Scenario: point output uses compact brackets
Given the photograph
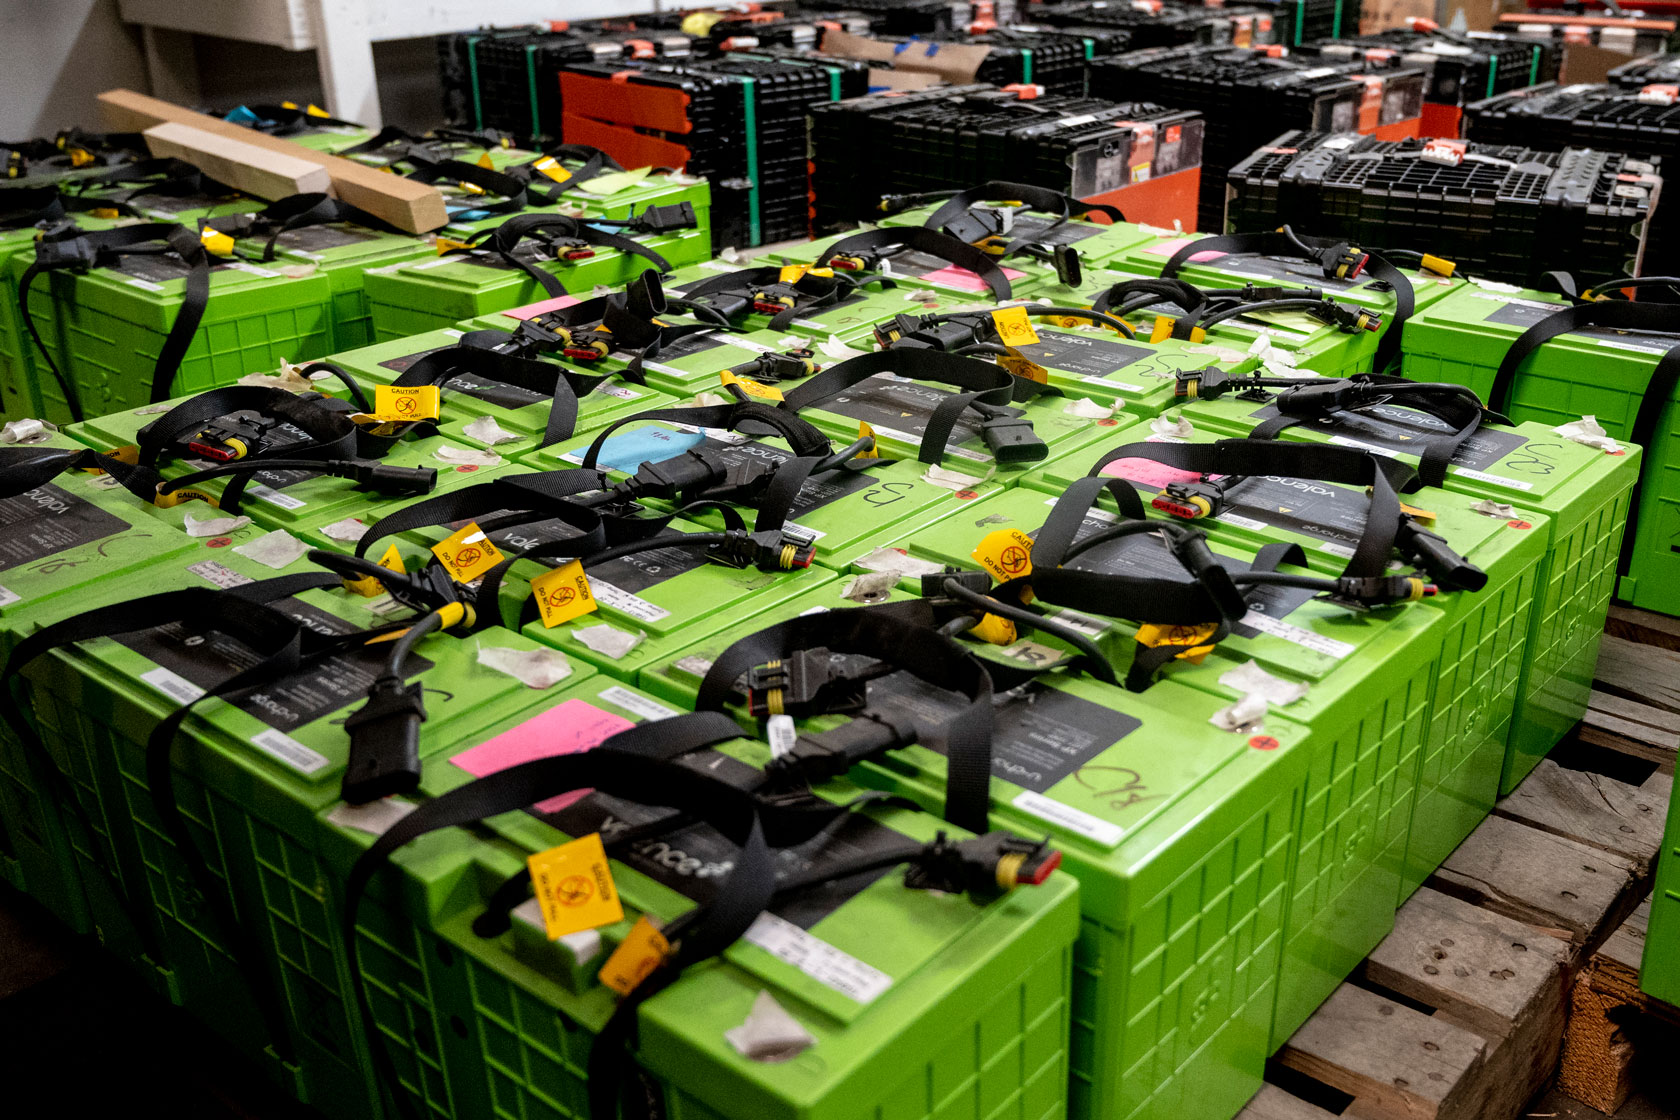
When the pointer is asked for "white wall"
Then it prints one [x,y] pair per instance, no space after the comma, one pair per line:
[55,57]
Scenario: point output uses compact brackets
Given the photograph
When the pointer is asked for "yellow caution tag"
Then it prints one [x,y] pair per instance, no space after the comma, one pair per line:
[700,24]
[1424,515]
[288,104]
[1162,330]
[994,629]
[752,388]
[644,950]
[1006,553]
[563,594]
[486,162]
[316,111]
[1013,326]
[470,188]
[369,586]
[400,403]
[80,157]
[550,167]
[1189,637]
[1024,367]
[217,242]
[574,887]
[105,212]
[791,273]
[449,244]
[874,451]
[467,553]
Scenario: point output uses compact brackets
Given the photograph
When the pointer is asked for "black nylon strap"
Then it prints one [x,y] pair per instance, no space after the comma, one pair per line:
[562,386]
[505,238]
[1042,199]
[1316,461]
[545,493]
[1280,244]
[934,242]
[800,435]
[917,649]
[987,384]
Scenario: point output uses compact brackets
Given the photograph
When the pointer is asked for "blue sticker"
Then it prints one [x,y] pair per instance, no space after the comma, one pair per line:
[652,444]
[242,115]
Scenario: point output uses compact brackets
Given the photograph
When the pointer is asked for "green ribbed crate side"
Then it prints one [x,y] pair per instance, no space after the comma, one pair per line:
[40,859]
[1179,1030]
[1659,972]
[1579,578]
[1482,658]
[1357,805]
[111,360]
[18,397]
[994,1047]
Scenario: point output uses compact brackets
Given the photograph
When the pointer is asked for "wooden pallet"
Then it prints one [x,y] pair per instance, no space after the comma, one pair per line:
[1460,1013]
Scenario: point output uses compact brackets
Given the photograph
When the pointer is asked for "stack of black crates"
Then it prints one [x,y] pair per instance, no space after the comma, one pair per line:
[1483,206]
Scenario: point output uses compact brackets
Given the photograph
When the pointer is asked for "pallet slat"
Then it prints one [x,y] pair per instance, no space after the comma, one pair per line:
[1592,809]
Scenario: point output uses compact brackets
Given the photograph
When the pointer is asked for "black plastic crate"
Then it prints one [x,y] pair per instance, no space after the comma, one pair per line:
[1661,69]
[1463,67]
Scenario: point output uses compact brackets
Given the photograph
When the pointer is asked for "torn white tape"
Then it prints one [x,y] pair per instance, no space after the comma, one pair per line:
[289,378]
[610,640]
[780,734]
[1169,425]
[374,818]
[898,562]
[1587,430]
[703,400]
[274,550]
[26,431]
[349,530]
[1490,508]
[534,668]
[486,431]
[1251,679]
[1246,715]
[837,350]
[769,1033]
[955,481]
[467,456]
[870,588]
[213,526]
[1088,409]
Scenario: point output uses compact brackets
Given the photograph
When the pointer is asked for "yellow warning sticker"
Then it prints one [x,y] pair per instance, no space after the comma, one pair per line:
[467,553]
[449,244]
[399,403]
[1024,367]
[216,241]
[995,629]
[369,586]
[642,951]
[574,887]
[874,450]
[1013,326]
[752,388]
[1006,553]
[550,167]
[563,594]
[1191,638]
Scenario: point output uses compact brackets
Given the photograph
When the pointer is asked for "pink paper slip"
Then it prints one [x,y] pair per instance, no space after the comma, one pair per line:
[1168,248]
[966,280]
[1147,472]
[564,729]
[532,310]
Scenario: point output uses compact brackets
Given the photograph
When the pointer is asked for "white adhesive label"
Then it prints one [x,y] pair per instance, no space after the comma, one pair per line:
[1290,632]
[818,959]
[1495,479]
[288,750]
[145,284]
[1120,385]
[1103,832]
[1345,441]
[274,497]
[625,603]
[618,391]
[620,697]
[8,597]
[781,736]
[1617,344]
[220,575]
[246,266]
[172,685]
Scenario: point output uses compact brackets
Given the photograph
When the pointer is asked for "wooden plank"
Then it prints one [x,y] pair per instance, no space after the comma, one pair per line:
[1395,1062]
[1648,674]
[1490,974]
[1645,627]
[1597,811]
[244,167]
[1272,1103]
[1547,881]
[408,205]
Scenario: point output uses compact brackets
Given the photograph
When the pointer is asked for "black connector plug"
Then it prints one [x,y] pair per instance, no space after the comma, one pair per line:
[1201,384]
[384,742]
[1381,591]
[982,866]
[664,219]
[1012,440]
[680,474]
[1431,552]
[383,478]
[770,550]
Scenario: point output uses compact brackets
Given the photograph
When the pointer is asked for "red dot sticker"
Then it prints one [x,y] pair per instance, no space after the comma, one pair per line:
[965,495]
[218,542]
[1519,524]
[1111,422]
[467,467]
[1264,743]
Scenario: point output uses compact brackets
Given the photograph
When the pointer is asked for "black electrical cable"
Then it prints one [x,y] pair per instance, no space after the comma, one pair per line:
[1100,667]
